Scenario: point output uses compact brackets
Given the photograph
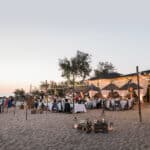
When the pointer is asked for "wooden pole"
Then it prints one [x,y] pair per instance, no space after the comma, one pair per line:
[148,91]
[148,94]
[73,91]
[26,113]
[138,87]
[46,95]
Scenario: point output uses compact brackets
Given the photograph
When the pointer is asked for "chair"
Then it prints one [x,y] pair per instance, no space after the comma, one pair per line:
[108,104]
[112,102]
[117,105]
[123,104]
[130,103]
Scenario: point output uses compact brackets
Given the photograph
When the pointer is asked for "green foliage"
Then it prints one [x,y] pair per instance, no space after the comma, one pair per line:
[83,64]
[19,94]
[77,67]
[60,92]
[36,93]
[65,66]
[104,68]
[51,91]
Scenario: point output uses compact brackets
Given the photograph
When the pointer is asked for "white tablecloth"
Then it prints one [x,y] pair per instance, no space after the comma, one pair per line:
[79,108]
[130,103]
[123,103]
[51,104]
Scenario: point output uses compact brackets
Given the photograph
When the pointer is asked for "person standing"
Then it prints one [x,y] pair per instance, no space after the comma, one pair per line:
[6,104]
[36,104]
[67,106]
[2,105]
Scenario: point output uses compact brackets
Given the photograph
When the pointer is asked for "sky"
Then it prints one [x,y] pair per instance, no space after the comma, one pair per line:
[35,34]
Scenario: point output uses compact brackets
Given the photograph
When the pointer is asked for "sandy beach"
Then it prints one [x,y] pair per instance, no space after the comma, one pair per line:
[55,131]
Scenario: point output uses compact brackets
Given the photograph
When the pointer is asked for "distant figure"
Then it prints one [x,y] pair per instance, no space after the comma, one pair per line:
[67,106]
[36,104]
[98,103]
[6,103]
[42,105]
[54,106]
[2,105]
[59,104]
[12,102]
[9,103]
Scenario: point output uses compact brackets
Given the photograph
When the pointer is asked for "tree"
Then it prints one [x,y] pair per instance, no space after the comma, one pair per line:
[83,64]
[36,93]
[66,68]
[104,68]
[51,92]
[75,68]
[19,94]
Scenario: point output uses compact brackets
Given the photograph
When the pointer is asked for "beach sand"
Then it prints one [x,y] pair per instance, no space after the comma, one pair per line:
[55,131]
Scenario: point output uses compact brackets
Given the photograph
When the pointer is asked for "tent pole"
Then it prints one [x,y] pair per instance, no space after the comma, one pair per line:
[139,102]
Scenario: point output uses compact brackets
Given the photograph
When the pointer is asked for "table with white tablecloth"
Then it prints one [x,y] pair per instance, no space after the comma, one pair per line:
[50,105]
[79,108]
[119,104]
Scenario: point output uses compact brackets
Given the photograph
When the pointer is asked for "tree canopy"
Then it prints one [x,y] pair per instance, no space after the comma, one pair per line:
[36,92]
[104,68]
[19,94]
[77,67]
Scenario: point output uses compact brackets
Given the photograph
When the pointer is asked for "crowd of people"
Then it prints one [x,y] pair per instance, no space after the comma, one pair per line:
[110,103]
[56,105]
[6,103]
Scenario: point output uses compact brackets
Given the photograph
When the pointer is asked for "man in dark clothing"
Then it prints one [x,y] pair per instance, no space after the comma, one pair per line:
[36,104]
[67,106]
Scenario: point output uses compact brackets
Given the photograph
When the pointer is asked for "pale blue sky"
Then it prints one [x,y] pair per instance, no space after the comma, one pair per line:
[34,34]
